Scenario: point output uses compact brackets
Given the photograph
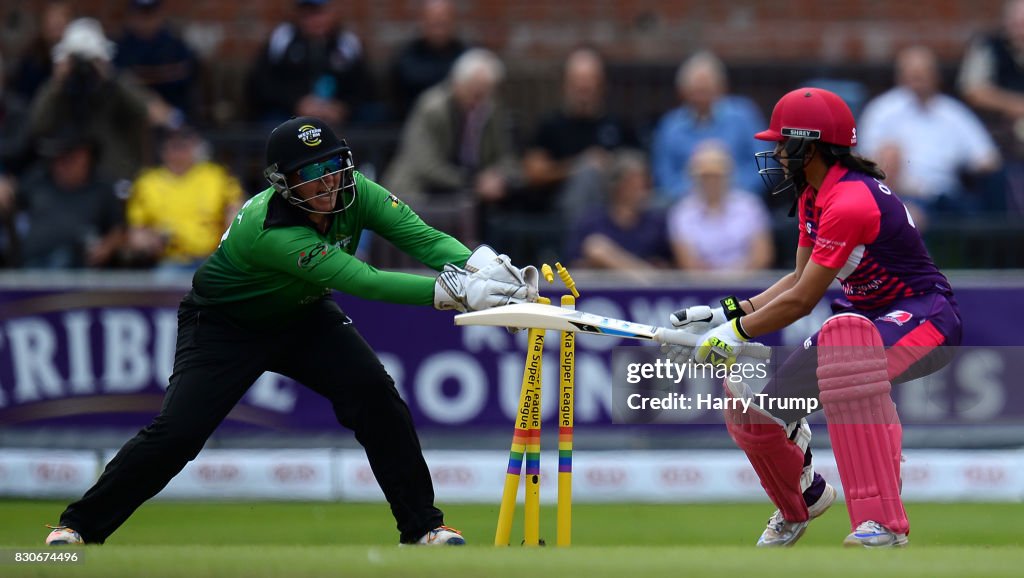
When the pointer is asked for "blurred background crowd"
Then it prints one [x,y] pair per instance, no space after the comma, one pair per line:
[604,134]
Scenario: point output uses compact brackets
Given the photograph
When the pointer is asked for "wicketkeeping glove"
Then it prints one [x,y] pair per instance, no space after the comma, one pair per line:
[488,263]
[457,288]
[721,345]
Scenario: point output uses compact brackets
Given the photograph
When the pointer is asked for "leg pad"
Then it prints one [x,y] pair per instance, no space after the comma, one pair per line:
[862,421]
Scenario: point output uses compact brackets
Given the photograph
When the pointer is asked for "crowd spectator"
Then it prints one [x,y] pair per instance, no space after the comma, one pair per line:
[706,111]
[312,66]
[12,127]
[426,59]
[36,63]
[86,94]
[566,163]
[70,216]
[717,226]
[177,211]
[458,137]
[13,113]
[156,56]
[925,140]
[626,234]
[992,80]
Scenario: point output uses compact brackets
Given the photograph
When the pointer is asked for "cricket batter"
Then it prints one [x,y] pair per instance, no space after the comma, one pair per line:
[897,312]
[262,302]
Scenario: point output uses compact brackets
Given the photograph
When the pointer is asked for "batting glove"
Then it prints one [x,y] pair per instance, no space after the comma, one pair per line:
[722,344]
[698,320]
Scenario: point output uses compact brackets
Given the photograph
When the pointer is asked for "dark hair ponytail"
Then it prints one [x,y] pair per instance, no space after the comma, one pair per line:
[833,154]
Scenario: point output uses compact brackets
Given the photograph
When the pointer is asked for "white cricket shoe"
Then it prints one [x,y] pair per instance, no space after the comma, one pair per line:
[782,534]
[871,534]
[63,536]
[442,536]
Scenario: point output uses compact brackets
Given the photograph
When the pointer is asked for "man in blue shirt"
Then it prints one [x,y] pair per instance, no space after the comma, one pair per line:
[707,112]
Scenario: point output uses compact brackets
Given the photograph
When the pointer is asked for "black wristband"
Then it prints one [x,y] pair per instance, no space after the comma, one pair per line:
[752,308]
[731,308]
[740,330]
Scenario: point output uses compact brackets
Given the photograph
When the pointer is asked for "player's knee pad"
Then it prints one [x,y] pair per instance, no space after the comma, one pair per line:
[851,363]
[854,383]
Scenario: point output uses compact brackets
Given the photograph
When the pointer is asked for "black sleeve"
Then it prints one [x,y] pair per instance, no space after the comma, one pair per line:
[545,137]
[111,210]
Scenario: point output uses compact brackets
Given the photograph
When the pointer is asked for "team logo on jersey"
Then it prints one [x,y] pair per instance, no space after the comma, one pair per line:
[309,135]
[898,317]
[311,257]
[394,200]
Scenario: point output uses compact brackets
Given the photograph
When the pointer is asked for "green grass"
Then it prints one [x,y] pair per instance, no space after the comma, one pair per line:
[620,540]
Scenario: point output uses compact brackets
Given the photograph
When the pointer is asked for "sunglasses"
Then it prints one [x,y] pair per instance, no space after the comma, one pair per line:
[323,168]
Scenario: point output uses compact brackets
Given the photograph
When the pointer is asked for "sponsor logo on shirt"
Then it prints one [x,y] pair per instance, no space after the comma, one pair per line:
[898,317]
[311,257]
[828,244]
[394,200]
[862,288]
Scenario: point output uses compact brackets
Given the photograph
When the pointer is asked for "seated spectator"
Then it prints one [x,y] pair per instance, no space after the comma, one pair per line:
[35,66]
[84,93]
[426,60]
[716,226]
[458,137]
[626,234]
[12,127]
[706,111]
[566,164]
[178,211]
[992,81]
[72,216]
[157,57]
[310,67]
[924,140]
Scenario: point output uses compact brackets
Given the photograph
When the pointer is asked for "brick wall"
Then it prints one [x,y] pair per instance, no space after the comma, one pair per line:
[540,31]
[769,44]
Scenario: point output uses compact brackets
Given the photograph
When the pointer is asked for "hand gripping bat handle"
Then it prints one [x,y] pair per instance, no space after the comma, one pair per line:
[687,339]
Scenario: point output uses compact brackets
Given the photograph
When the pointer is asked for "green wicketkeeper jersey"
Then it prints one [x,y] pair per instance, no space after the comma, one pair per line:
[271,261]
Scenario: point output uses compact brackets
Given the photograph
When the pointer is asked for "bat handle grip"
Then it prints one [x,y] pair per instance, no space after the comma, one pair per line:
[677,337]
[756,350]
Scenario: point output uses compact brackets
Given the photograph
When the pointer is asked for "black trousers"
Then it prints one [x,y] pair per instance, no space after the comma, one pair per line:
[215,363]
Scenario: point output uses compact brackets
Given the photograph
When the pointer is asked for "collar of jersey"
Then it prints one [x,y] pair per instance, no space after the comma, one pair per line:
[281,213]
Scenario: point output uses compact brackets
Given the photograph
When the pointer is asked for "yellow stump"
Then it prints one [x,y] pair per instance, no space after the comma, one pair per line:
[566,403]
[523,439]
[531,509]
[570,284]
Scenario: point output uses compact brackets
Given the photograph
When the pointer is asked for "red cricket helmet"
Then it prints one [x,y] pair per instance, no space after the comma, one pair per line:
[812,114]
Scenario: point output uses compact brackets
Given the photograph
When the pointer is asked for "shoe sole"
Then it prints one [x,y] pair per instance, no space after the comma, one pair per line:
[852,542]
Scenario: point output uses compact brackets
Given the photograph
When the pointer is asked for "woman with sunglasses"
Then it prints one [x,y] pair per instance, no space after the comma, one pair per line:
[261,302]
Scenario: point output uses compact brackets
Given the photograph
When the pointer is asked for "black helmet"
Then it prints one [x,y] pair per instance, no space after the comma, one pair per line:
[302,141]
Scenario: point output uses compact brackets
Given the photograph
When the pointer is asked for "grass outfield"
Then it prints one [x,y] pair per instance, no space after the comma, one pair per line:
[628,540]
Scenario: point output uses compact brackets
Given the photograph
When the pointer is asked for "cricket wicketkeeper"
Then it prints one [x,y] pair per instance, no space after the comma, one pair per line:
[262,302]
[897,312]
